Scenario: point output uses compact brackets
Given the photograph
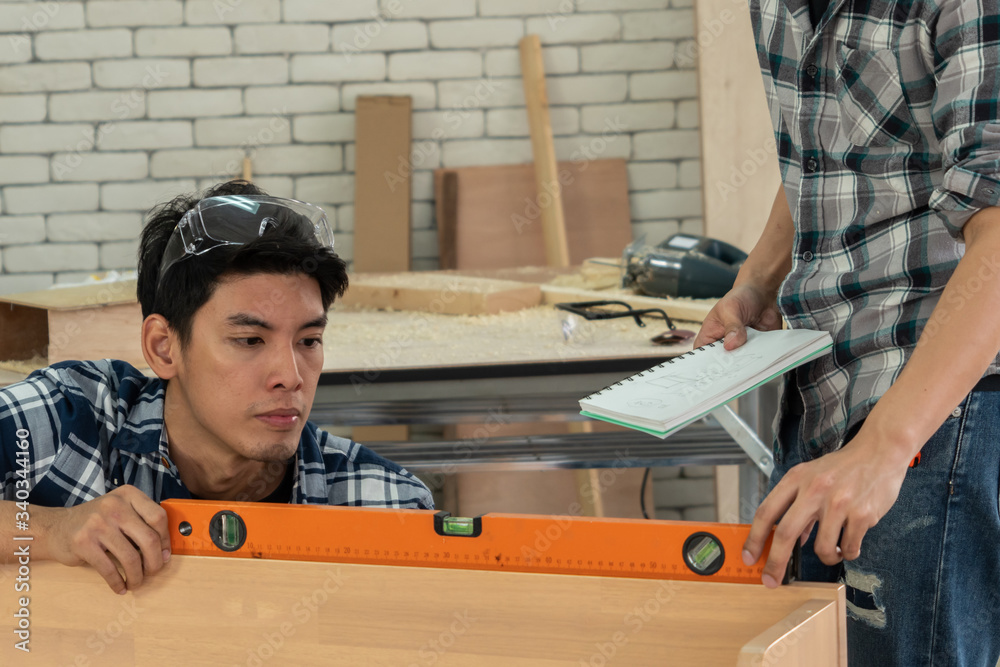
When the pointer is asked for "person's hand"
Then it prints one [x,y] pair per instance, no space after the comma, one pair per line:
[123,526]
[846,492]
[743,306]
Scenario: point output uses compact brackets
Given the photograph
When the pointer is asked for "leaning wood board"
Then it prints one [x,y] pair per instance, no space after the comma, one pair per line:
[86,322]
[440,293]
[214,611]
[495,221]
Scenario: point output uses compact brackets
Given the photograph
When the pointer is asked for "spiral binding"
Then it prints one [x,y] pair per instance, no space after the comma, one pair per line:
[632,378]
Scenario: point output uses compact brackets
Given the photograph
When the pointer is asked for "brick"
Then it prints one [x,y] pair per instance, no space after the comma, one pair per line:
[97,105]
[45,138]
[281,38]
[422,185]
[50,198]
[620,5]
[22,108]
[686,55]
[475,33]
[105,14]
[514,122]
[703,513]
[315,11]
[425,154]
[345,218]
[690,174]
[672,85]
[324,128]
[488,92]
[681,3]
[147,134]
[694,226]
[102,226]
[447,124]
[486,151]
[599,147]
[422,216]
[23,169]
[52,257]
[681,492]
[338,67]
[687,114]
[27,17]
[424,94]
[20,229]
[698,472]
[349,157]
[227,12]
[520,7]
[242,71]
[143,73]
[335,189]
[556,59]
[435,65]
[219,163]
[667,144]
[291,99]
[591,89]
[41,77]
[24,282]
[99,166]
[429,9]
[249,131]
[669,472]
[298,159]
[195,103]
[667,24]
[634,116]
[423,243]
[665,204]
[142,195]
[279,186]
[183,42]
[627,57]
[84,44]
[575,28]
[374,36]
[655,231]
[15,49]
[652,175]
[119,255]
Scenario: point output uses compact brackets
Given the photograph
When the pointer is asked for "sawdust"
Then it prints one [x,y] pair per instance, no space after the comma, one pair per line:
[24,366]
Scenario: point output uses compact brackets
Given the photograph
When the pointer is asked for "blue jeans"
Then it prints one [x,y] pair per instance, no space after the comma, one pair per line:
[925,590]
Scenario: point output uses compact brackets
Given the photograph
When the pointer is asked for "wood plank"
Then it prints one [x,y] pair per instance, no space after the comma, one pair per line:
[382,183]
[438,293]
[807,636]
[497,218]
[211,611]
[739,162]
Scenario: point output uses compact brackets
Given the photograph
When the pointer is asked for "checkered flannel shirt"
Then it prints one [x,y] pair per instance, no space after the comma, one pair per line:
[886,120]
[96,425]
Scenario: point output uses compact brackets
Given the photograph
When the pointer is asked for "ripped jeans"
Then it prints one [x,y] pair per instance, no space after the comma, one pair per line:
[925,591]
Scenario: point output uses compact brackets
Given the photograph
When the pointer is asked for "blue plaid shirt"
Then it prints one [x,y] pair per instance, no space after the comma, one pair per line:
[96,425]
[886,120]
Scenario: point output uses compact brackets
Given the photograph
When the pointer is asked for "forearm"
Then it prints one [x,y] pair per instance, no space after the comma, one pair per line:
[771,258]
[37,520]
[959,342]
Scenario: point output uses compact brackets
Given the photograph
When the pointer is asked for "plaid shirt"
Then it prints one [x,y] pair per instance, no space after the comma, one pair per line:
[888,142]
[96,425]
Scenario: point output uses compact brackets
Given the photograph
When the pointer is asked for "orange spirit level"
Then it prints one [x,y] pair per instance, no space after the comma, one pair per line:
[421,538]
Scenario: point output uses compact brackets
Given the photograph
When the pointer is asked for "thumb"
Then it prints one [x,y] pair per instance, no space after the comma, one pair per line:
[736,335]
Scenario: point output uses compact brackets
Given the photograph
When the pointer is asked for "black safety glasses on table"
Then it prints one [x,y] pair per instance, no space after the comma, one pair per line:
[610,310]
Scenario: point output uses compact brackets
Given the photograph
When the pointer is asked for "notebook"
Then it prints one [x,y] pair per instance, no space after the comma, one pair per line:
[679,391]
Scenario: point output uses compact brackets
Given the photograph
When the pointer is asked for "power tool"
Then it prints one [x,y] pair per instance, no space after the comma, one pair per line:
[685,265]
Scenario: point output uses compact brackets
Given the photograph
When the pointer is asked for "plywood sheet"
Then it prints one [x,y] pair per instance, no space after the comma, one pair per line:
[440,293]
[497,219]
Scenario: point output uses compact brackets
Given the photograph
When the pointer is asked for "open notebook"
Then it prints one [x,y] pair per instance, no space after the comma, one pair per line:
[677,392]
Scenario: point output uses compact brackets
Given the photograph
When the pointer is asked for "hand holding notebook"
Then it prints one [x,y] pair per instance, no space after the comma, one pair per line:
[679,391]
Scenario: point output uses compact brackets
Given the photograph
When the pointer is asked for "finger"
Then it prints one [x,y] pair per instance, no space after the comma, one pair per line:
[806,533]
[786,534]
[736,335]
[712,329]
[128,556]
[156,518]
[827,544]
[95,556]
[850,543]
[147,541]
[767,515]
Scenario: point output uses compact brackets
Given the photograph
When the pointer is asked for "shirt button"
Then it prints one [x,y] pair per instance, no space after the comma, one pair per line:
[807,256]
[957,412]
[811,165]
[812,70]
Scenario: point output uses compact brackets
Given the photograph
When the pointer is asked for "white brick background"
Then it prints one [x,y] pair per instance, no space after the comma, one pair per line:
[110,106]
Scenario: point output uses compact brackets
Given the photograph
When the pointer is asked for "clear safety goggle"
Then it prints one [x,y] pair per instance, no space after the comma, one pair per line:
[238,219]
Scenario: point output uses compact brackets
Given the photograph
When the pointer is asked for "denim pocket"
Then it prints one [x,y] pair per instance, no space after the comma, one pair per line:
[873,109]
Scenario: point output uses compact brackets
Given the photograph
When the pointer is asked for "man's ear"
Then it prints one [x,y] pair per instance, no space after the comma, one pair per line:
[160,346]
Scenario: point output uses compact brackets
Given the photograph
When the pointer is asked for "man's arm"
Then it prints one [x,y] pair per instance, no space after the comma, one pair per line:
[122,527]
[753,299]
[852,488]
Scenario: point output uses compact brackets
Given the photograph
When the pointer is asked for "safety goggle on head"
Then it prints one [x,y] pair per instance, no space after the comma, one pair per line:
[237,220]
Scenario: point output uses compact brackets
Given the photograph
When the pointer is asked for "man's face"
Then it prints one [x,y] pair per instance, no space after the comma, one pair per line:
[248,375]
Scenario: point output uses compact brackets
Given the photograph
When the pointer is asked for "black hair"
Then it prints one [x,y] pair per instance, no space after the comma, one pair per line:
[190,283]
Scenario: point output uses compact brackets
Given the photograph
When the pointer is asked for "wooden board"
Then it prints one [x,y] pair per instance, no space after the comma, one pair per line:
[382,184]
[215,611]
[739,162]
[440,293]
[497,220]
